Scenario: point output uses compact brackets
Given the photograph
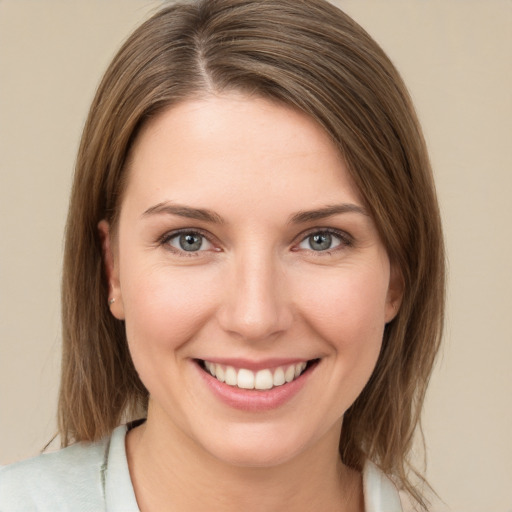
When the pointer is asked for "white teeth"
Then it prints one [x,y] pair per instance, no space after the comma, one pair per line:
[230,376]
[219,373]
[245,379]
[279,377]
[264,380]
[299,368]
[210,367]
[289,374]
[261,380]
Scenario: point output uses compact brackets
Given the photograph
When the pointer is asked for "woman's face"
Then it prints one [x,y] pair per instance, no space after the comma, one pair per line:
[244,248]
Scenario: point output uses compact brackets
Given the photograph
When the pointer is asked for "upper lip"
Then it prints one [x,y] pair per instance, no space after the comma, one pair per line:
[253,365]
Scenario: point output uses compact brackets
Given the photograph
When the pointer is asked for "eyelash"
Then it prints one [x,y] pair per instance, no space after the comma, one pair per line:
[344,238]
[345,241]
[165,239]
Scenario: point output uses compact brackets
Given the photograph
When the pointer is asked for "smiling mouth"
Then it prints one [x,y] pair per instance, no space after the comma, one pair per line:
[260,380]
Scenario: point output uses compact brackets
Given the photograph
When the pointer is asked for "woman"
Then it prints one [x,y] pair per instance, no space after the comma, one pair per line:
[253,264]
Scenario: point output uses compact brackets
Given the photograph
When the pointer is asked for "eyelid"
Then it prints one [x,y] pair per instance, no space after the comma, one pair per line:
[346,239]
[169,235]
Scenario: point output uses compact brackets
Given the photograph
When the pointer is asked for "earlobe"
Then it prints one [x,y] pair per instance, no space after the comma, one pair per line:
[395,293]
[111,269]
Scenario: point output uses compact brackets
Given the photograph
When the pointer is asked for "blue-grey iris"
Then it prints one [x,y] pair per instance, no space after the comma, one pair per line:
[191,242]
[320,241]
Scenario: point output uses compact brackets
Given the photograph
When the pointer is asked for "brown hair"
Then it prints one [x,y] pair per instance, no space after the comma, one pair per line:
[311,56]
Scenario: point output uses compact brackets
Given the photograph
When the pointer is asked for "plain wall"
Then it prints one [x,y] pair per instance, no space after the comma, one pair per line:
[455,56]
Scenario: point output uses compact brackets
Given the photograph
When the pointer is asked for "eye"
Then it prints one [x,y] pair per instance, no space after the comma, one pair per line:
[189,241]
[322,241]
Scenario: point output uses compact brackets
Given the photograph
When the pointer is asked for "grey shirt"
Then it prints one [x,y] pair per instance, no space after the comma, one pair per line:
[94,477]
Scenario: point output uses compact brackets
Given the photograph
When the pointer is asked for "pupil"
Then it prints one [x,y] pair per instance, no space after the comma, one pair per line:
[190,242]
[320,242]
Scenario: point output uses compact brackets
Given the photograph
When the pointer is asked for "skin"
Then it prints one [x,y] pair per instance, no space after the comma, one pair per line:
[255,290]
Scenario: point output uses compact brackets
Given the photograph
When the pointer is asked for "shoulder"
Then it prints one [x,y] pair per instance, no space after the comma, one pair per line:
[71,477]
[380,494]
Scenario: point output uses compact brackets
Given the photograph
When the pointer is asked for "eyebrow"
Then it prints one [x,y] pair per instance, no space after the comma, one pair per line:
[205,215]
[184,211]
[327,211]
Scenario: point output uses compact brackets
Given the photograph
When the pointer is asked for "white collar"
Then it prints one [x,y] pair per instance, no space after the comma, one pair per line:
[380,494]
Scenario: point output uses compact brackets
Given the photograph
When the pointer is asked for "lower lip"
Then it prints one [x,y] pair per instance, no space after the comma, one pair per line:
[252,399]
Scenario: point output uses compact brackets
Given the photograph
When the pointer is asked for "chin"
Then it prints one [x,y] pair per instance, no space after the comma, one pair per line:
[256,456]
[257,447]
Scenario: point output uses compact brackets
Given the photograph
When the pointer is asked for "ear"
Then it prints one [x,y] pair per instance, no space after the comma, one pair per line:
[111,269]
[395,293]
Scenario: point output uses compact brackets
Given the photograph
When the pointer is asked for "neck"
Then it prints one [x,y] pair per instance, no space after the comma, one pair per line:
[170,472]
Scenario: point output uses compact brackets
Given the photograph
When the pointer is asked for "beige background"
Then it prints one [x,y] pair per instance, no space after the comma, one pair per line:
[455,55]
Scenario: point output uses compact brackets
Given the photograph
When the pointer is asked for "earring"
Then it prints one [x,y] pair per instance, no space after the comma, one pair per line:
[111,301]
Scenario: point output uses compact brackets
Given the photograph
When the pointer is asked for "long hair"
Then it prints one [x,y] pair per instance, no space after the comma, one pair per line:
[311,56]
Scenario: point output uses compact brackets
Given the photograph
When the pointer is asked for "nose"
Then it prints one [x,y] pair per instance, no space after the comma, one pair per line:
[256,307]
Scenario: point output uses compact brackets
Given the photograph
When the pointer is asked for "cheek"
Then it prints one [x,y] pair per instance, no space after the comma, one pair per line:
[164,307]
[346,310]
[347,306]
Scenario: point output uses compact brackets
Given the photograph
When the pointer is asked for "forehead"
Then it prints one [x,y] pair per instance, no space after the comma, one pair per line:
[237,147]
